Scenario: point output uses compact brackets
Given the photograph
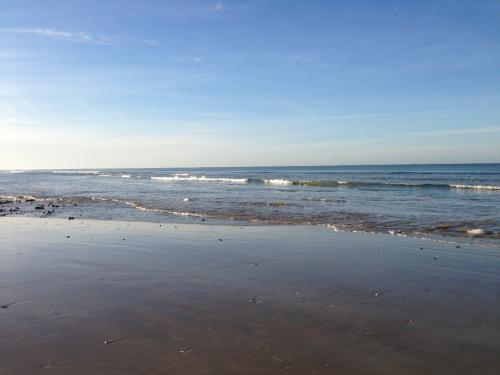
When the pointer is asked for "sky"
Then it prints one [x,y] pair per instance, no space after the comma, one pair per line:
[159,83]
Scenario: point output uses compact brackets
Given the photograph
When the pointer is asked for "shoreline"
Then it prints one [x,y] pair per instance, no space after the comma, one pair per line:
[118,297]
[37,207]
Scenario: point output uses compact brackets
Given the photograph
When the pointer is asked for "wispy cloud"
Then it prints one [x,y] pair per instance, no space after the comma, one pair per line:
[188,60]
[69,36]
[148,42]
[77,36]
[218,6]
[303,60]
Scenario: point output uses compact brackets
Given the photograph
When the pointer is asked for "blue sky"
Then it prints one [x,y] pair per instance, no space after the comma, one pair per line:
[251,82]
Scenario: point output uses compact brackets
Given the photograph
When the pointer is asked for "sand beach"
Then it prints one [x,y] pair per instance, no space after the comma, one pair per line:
[106,297]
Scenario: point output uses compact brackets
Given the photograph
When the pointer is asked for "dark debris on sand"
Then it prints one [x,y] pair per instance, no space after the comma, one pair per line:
[32,207]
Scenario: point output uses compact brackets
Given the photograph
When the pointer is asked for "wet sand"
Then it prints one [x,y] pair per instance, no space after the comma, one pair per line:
[104,297]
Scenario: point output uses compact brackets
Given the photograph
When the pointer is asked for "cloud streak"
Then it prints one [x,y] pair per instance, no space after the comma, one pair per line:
[75,36]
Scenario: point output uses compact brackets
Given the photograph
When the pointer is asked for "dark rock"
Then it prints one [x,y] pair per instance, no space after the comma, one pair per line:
[71,218]
[40,207]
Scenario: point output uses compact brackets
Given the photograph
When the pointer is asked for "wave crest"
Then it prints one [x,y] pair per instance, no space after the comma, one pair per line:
[183,177]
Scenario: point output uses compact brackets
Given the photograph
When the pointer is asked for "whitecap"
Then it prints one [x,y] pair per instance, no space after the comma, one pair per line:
[278,182]
[476,187]
[60,171]
[200,179]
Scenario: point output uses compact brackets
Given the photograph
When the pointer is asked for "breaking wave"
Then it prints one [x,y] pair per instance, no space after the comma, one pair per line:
[77,172]
[184,177]
[321,183]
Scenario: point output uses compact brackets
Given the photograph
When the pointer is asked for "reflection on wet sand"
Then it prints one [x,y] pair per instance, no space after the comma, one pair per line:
[92,297]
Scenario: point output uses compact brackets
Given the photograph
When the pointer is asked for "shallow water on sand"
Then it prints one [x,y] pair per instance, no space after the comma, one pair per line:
[100,297]
[450,200]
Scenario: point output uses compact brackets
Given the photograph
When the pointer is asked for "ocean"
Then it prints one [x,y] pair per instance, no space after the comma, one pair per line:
[421,200]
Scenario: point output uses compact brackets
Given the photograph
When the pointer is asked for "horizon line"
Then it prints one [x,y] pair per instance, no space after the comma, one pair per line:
[258,166]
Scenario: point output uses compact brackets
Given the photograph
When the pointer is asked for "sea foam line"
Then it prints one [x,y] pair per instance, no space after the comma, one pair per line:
[476,187]
[182,177]
[83,172]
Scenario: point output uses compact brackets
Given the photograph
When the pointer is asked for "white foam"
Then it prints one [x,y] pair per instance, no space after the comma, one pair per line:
[334,227]
[75,172]
[476,187]
[16,171]
[125,176]
[159,210]
[179,177]
[477,232]
[278,182]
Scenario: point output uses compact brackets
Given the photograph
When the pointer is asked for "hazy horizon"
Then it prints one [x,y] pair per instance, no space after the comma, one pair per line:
[248,83]
[124,168]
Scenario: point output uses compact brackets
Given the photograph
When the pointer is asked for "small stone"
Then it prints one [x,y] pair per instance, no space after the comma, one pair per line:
[185,351]
[71,218]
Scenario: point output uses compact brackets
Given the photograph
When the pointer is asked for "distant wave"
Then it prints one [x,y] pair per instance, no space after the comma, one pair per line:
[184,177]
[476,187]
[277,182]
[78,172]
[323,183]
[346,184]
